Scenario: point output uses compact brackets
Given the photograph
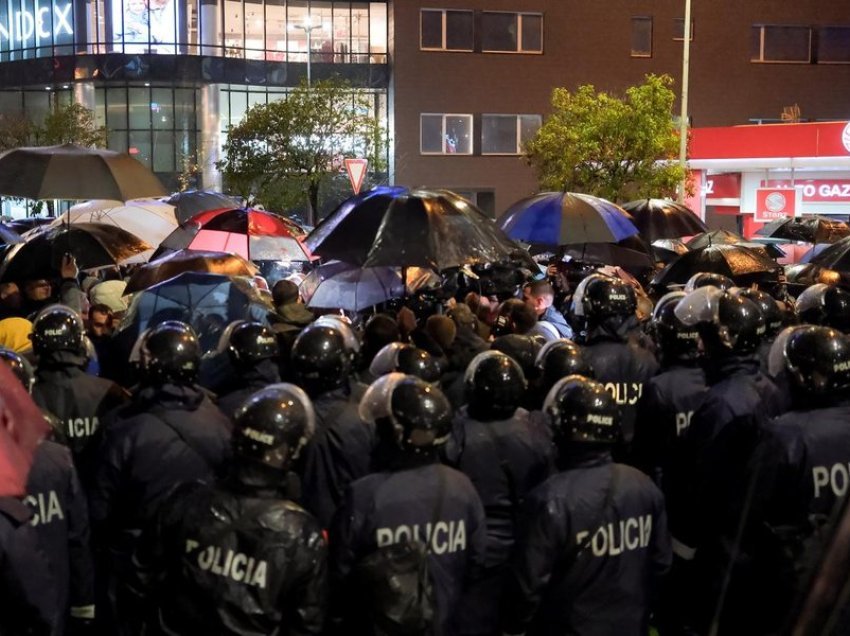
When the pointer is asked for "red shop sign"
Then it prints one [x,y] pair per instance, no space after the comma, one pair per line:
[723,186]
[776,203]
[817,190]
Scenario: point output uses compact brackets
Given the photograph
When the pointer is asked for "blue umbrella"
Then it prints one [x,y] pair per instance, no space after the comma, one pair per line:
[814,251]
[561,218]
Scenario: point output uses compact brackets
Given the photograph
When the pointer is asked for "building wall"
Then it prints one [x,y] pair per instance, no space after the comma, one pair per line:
[588,41]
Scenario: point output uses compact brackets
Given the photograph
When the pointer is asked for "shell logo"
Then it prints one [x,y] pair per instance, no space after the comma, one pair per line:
[845,137]
[775,202]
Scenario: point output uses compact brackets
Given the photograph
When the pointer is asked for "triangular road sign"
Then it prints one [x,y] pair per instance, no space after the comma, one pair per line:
[356,169]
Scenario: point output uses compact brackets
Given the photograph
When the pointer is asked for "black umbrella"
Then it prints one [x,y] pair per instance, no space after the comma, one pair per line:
[661,219]
[667,250]
[609,254]
[771,250]
[397,227]
[741,264]
[91,244]
[836,256]
[715,237]
[811,229]
[188,204]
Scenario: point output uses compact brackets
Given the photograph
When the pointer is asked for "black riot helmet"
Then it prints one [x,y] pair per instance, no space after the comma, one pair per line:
[495,386]
[270,430]
[320,359]
[676,341]
[815,359]
[598,297]
[726,323]
[20,366]
[169,353]
[825,305]
[523,349]
[560,358]
[57,328]
[405,358]
[248,343]
[581,411]
[708,279]
[773,315]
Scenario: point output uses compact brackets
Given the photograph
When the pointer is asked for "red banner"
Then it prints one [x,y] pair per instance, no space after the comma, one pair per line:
[723,186]
[775,203]
[817,190]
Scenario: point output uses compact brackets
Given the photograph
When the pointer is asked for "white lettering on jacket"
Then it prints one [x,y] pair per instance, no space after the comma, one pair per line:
[614,538]
[229,564]
[835,477]
[45,506]
[445,537]
[625,392]
[81,426]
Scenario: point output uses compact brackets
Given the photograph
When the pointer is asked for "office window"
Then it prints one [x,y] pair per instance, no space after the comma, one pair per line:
[642,36]
[834,45]
[446,30]
[507,134]
[445,134]
[679,29]
[788,44]
[503,32]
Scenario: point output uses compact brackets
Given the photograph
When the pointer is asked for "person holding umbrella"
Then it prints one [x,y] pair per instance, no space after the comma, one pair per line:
[38,293]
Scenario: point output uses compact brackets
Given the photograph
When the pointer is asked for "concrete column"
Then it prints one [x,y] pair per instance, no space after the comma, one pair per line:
[84,94]
[209,145]
[209,19]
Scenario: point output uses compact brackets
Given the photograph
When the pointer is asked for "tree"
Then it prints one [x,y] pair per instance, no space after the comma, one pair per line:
[284,150]
[612,147]
[70,124]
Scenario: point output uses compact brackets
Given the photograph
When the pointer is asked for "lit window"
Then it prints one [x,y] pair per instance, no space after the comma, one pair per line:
[834,45]
[445,134]
[679,29]
[446,30]
[507,134]
[642,36]
[511,32]
[788,44]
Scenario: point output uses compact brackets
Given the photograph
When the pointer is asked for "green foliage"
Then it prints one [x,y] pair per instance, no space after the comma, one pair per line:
[15,131]
[70,124]
[282,152]
[600,144]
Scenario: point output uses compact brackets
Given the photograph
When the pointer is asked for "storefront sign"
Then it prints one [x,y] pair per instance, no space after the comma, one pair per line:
[35,24]
[776,203]
[845,137]
[723,186]
[816,190]
[145,26]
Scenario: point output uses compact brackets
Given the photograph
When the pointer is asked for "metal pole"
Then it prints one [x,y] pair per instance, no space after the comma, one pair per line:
[683,123]
[309,30]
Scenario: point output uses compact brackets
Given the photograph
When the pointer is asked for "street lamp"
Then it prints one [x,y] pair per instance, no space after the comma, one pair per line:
[308,27]
[683,122]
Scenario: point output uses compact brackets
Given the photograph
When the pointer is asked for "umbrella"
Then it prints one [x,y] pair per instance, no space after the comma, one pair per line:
[815,250]
[667,250]
[562,218]
[609,254]
[811,229]
[736,262]
[664,219]
[771,250]
[253,234]
[191,202]
[715,237]
[22,427]
[92,245]
[31,222]
[181,261]
[836,256]
[8,236]
[74,172]
[397,227]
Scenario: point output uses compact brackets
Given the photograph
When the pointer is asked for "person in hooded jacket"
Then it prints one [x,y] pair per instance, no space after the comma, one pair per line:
[593,539]
[254,353]
[238,556]
[170,433]
[505,455]
[412,497]
[78,400]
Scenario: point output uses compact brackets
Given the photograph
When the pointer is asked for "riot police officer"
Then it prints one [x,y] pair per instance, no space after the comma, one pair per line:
[63,388]
[773,320]
[708,279]
[238,556]
[342,447]
[825,305]
[558,359]
[414,498]
[253,352]
[593,535]
[405,358]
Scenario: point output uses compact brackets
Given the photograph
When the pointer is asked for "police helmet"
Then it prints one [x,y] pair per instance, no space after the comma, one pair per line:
[20,366]
[560,358]
[523,349]
[770,310]
[598,297]
[319,359]
[825,305]
[405,358]
[726,322]
[271,429]
[57,328]
[675,340]
[815,359]
[495,385]
[248,343]
[169,353]
[706,279]
[580,410]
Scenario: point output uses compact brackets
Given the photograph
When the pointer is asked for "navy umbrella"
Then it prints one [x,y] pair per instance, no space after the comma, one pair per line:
[663,219]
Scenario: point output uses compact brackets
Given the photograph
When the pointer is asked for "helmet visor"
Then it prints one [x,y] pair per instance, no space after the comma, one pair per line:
[700,306]
[386,360]
[375,403]
[776,356]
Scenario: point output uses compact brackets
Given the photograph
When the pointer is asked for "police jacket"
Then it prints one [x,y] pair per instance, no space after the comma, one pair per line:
[592,542]
[78,400]
[504,460]
[433,504]
[248,382]
[61,521]
[339,452]
[221,559]
[167,435]
[27,586]
[623,367]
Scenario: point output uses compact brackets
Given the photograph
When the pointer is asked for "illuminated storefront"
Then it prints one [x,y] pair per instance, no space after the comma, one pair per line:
[166,77]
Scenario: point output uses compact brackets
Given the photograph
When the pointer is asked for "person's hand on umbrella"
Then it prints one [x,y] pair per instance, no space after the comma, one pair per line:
[68,268]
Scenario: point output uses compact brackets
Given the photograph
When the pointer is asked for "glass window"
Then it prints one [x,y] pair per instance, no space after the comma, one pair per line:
[446,30]
[679,29]
[117,140]
[139,103]
[378,43]
[162,110]
[499,32]
[140,146]
[641,36]
[507,134]
[446,134]
[771,43]
[431,29]
[532,33]
[834,45]
[116,109]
